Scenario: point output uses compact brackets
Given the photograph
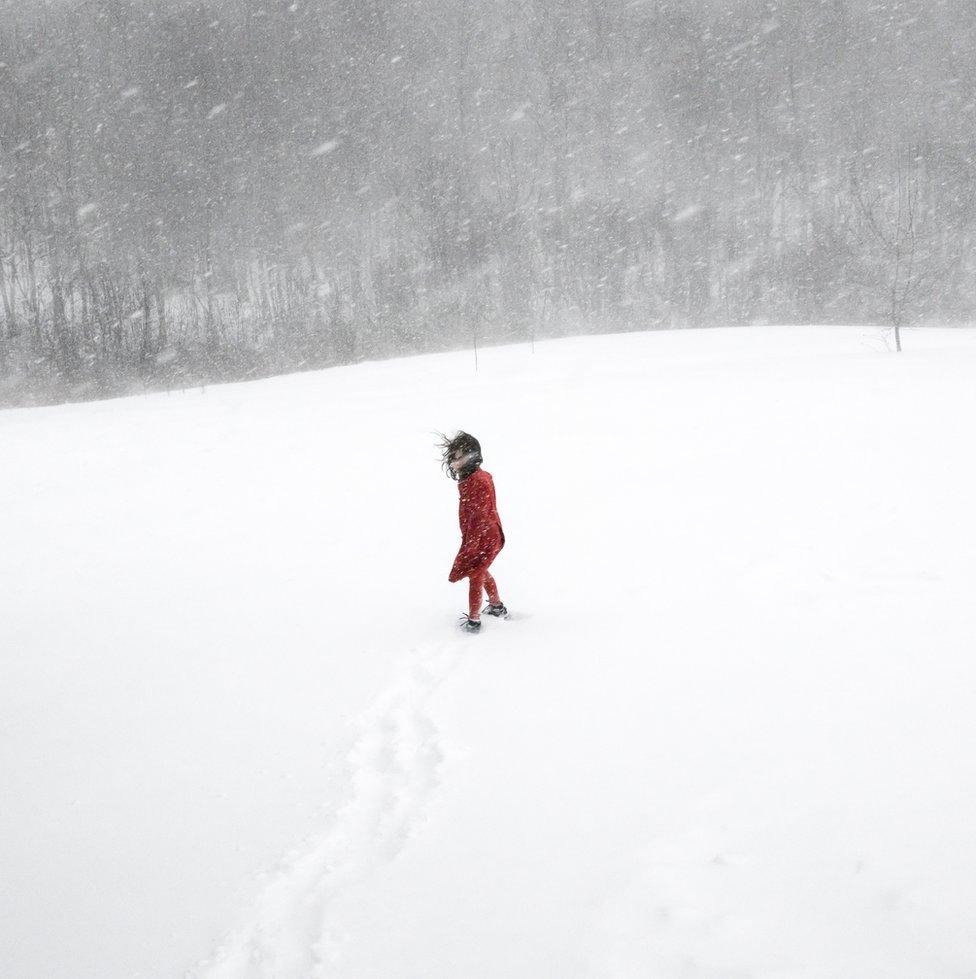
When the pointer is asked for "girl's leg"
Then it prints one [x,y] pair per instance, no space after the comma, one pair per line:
[476,582]
[492,590]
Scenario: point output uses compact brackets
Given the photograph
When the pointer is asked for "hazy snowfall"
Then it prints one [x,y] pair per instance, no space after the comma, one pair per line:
[700,277]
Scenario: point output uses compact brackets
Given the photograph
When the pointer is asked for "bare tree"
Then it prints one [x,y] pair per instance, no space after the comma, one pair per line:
[901,231]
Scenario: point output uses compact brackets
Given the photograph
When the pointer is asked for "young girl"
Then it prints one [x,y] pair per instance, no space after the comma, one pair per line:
[482,536]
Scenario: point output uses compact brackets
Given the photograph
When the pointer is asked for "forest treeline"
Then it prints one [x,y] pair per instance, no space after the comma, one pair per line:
[223,189]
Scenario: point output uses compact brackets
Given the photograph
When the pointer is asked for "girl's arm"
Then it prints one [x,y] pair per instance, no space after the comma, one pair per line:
[476,510]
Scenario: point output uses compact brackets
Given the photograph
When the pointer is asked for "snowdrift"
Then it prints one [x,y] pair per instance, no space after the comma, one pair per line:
[728,733]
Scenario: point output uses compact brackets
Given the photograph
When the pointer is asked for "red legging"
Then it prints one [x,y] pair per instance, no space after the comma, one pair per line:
[479,581]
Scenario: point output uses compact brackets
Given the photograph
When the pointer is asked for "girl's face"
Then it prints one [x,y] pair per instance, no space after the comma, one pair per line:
[459,460]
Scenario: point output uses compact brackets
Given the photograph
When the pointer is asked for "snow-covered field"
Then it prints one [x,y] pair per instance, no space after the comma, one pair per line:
[731,732]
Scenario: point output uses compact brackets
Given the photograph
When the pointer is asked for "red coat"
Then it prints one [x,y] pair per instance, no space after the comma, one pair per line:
[482,536]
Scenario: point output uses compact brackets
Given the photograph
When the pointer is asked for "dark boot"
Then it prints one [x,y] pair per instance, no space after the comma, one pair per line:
[468,624]
[499,611]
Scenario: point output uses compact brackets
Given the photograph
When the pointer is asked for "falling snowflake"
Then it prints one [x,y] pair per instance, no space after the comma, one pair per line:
[686,213]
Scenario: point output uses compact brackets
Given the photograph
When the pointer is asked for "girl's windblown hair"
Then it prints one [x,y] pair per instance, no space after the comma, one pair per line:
[464,451]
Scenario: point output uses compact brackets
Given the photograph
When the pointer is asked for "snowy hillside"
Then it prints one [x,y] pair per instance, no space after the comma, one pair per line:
[729,734]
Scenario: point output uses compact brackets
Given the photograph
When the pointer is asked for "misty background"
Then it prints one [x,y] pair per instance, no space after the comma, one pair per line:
[205,191]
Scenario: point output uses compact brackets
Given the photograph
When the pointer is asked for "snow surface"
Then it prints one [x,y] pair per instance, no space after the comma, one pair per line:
[730,733]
